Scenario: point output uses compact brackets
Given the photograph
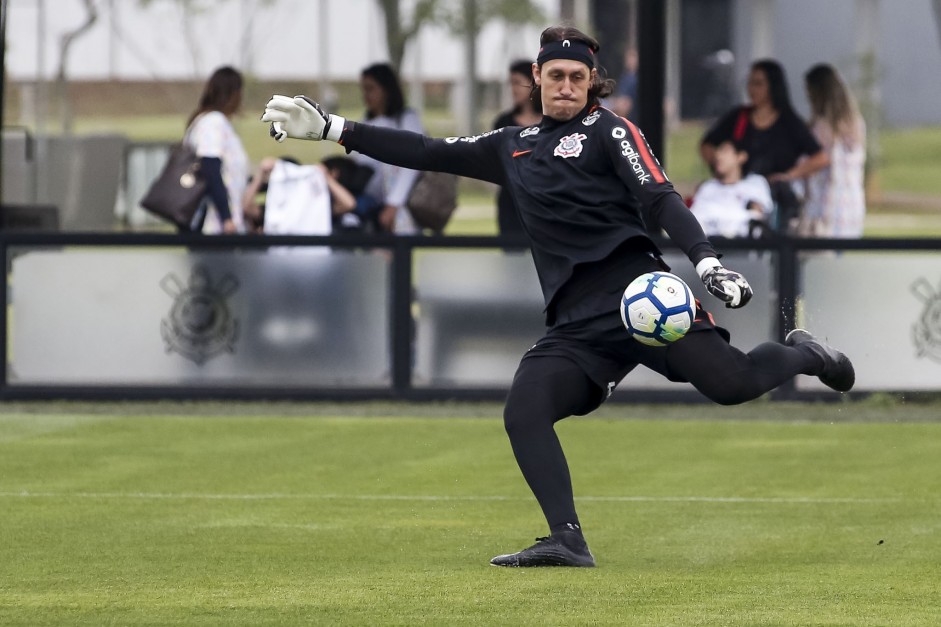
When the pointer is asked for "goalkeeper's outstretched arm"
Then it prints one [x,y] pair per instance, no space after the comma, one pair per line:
[302,118]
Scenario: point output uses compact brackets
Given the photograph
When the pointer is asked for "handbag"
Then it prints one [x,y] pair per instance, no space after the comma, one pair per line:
[433,199]
[178,191]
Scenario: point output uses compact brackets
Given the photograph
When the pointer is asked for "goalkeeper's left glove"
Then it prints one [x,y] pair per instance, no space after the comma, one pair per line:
[301,118]
[724,284]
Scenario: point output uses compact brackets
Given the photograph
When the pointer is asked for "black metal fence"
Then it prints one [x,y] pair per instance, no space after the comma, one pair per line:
[401,251]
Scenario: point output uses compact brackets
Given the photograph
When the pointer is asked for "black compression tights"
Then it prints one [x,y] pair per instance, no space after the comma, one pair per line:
[548,389]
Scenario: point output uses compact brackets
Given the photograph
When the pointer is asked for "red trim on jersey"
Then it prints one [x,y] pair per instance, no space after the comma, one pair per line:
[702,315]
[644,151]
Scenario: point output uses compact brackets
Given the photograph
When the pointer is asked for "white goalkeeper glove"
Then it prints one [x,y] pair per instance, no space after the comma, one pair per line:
[724,284]
[301,118]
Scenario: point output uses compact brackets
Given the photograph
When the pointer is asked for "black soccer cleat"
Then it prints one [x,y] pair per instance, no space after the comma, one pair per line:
[838,372]
[564,548]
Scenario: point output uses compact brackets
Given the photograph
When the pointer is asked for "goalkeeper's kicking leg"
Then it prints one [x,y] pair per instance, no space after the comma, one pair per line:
[728,376]
[548,388]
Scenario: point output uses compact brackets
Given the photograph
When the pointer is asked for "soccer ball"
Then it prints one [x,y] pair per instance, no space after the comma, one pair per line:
[657,308]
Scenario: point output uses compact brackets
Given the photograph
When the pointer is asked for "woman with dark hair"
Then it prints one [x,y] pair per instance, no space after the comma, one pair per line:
[583,181]
[779,144]
[836,202]
[390,186]
[526,111]
[223,162]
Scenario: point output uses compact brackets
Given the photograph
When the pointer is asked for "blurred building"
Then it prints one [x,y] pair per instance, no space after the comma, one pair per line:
[884,47]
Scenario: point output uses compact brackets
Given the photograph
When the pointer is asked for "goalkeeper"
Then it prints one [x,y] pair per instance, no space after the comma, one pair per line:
[582,181]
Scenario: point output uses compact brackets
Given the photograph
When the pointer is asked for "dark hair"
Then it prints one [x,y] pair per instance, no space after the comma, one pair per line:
[601,86]
[777,84]
[522,67]
[349,174]
[739,146]
[222,92]
[387,80]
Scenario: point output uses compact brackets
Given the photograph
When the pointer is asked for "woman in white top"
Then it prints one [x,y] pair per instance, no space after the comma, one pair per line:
[223,161]
[836,202]
[390,185]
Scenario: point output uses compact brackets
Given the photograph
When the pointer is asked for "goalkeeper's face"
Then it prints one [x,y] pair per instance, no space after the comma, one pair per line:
[564,84]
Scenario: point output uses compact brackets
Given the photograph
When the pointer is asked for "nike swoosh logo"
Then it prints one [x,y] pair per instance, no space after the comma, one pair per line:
[519,153]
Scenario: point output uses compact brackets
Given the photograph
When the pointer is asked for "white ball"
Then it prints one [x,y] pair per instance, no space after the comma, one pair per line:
[658,308]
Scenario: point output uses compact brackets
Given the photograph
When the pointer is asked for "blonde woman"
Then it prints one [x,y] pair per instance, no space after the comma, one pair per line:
[836,203]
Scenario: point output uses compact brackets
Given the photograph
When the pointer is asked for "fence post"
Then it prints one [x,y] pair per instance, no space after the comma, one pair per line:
[4,336]
[787,301]
[400,316]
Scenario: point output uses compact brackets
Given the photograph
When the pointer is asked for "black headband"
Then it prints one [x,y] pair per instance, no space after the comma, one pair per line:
[571,49]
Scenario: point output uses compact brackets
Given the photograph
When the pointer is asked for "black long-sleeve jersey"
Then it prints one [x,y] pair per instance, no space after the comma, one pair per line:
[581,187]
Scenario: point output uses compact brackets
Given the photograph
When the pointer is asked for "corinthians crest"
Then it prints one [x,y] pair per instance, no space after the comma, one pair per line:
[570,145]
[926,332]
[200,325]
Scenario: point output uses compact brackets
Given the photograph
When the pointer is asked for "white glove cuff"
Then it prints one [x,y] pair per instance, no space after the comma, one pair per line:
[707,264]
[336,128]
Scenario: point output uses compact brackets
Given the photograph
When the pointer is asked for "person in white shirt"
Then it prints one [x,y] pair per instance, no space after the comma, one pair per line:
[390,185]
[298,199]
[223,161]
[732,203]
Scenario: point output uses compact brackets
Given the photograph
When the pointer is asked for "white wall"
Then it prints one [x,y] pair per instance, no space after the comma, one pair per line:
[277,41]
[283,41]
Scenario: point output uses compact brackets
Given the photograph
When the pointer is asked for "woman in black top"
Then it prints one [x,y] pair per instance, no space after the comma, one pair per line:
[526,111]
[774,136]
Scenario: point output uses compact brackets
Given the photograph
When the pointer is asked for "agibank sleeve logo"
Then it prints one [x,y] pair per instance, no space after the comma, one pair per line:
[634,148]
[472,139]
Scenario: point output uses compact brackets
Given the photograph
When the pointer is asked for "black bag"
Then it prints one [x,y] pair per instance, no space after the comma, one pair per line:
[787,204]
[179,190]
[433,199]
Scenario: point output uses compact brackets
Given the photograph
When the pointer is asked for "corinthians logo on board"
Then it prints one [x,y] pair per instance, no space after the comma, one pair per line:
[200,325]
[927,330]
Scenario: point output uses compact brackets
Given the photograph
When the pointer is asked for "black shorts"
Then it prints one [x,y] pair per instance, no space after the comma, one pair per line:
[606,352]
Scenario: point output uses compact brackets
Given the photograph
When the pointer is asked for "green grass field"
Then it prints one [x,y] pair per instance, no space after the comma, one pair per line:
[377,514]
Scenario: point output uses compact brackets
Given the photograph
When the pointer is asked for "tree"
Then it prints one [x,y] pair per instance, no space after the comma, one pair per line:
[188,9]
[65,46]
[463,17]
[460,16]
[468,19]
[936,5]
[398,31]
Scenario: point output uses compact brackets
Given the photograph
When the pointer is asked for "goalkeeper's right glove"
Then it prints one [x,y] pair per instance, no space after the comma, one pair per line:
[301,118]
